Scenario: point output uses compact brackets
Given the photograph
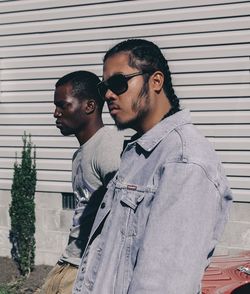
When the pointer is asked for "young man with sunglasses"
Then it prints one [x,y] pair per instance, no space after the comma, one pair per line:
[167,206]
[78,112]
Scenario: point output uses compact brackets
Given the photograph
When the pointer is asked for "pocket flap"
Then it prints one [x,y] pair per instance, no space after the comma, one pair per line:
[132,198]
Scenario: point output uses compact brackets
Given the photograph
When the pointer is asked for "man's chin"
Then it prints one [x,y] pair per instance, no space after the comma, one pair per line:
[65,132]
[130,124]
[124,125]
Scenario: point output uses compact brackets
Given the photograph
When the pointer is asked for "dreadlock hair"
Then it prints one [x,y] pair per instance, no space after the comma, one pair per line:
[147,57]
[84,86]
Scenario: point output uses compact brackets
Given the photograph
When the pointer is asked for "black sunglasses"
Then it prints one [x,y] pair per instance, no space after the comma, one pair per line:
[118,83]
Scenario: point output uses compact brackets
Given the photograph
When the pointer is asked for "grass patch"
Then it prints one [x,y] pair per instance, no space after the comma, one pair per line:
[12,287]
[6,289]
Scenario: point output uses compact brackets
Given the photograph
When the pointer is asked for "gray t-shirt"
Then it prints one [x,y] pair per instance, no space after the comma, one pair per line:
[94,164]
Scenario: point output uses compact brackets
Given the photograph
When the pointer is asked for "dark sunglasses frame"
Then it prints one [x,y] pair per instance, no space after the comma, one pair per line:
[118,83]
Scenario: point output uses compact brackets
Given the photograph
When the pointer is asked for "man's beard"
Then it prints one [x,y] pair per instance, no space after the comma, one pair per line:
[135,122]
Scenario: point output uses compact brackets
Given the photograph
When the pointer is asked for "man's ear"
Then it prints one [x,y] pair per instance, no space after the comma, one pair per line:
[157,81]
[90,106]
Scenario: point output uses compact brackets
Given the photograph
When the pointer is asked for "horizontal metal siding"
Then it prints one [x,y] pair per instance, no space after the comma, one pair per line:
[206,42]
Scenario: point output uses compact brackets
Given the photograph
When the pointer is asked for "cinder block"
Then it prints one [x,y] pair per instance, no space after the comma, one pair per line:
[48,200]
[240,212]
[64,241]
[236,235]
[5,252]
[220,250]
[40,219]
[4,217]
[234,251]
[49,242]
[66,217]
[47,258]
[5,198]
[4,240]
[52,220]
[48,220]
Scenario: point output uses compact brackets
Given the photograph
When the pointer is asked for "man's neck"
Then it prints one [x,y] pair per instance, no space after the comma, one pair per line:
[84,135]
[155,115]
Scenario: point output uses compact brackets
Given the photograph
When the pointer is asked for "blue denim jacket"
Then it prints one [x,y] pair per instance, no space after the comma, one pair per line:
[161,217]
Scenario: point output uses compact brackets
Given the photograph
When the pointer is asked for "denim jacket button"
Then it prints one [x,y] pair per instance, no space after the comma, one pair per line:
[90,285]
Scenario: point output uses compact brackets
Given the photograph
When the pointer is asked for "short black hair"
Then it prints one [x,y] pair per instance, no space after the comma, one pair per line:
[147,57]
[84,86]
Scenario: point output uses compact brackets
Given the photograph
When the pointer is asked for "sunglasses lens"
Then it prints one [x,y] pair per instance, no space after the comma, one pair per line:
[117,84]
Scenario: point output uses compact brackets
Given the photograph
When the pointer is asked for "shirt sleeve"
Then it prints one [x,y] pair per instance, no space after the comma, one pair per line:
[179,234]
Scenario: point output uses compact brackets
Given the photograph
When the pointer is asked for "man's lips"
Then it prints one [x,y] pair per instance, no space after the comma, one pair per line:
[59,125]
[113,108]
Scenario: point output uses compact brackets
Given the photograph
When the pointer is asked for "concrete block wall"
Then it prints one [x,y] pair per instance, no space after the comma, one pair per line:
[236,237]
[52,226]
[5,245]
[53,223]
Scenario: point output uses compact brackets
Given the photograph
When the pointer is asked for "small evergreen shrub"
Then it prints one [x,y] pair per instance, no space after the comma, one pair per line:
[22,209]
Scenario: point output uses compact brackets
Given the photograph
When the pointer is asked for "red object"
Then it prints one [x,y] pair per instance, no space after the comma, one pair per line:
[228,275]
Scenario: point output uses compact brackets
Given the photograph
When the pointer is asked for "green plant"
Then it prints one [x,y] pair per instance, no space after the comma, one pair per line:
[6,290]
[11,288]
[22,209]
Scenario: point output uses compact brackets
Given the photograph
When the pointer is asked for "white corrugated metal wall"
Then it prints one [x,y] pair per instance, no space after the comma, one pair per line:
[207,43]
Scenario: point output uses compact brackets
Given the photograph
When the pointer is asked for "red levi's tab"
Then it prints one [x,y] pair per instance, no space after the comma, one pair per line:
[132,187]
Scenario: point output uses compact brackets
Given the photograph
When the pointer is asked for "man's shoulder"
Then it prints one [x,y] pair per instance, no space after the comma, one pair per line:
[111,132]
[111,137]
[108,146]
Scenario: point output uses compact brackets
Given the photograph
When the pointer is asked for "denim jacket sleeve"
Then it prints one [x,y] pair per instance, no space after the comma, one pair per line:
[187,214]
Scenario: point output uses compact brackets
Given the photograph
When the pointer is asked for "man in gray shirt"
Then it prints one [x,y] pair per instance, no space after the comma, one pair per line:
[78,112]
[166,208]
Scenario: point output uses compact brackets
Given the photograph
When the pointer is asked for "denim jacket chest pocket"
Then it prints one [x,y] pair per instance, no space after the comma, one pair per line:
[134,208]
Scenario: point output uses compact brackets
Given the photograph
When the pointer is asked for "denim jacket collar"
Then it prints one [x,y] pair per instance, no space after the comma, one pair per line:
[154,136]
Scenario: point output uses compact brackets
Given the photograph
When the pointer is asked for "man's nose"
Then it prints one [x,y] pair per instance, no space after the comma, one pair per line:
[57,113]
[109,95]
